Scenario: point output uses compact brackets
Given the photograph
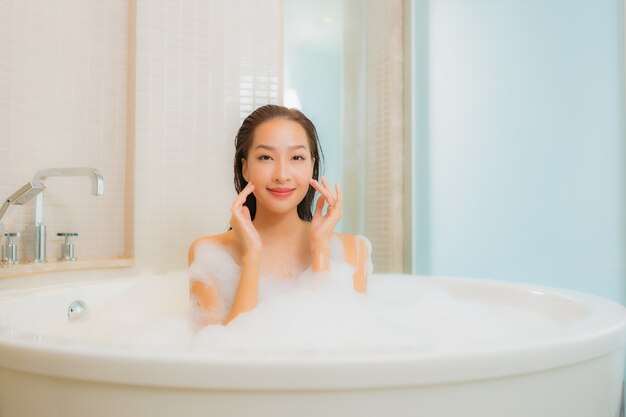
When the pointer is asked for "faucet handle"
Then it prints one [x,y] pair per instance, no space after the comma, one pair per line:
[67,248]
[10,250]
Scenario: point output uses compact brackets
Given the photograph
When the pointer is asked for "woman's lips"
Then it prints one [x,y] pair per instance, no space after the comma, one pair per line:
[281,192]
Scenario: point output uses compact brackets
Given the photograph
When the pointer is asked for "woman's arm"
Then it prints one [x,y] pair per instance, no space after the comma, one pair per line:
[360,274]
[320,257]
[212,308]
[356,254]
[322,225]
[246,296]
[204,296]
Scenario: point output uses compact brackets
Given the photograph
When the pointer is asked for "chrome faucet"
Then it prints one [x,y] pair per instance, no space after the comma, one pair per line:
[18,198]
[23,195]
[97,188]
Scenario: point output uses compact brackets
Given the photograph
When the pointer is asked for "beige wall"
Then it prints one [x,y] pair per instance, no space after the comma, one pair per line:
[63,104]
[202,66]
[151,93]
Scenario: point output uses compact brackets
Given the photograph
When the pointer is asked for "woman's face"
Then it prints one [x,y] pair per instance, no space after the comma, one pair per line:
[279,164]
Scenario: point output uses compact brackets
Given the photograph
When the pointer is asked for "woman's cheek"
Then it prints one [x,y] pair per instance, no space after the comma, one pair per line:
[260,173]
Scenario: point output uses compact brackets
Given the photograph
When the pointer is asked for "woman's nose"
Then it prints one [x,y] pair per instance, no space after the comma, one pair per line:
[281,172]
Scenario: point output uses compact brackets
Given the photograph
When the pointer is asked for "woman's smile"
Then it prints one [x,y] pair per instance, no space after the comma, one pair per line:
[281,192]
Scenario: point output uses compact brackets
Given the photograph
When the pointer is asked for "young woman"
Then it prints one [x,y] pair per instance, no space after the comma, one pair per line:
[273,233]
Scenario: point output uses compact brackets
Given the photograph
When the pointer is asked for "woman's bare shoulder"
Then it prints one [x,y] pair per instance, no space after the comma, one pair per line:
[353,245]
[222,238]
[347,238]
[225,239]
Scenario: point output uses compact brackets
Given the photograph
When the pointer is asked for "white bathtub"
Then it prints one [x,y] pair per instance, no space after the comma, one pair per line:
[575,371]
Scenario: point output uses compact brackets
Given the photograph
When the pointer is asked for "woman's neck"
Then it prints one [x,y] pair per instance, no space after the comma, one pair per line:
[279,227]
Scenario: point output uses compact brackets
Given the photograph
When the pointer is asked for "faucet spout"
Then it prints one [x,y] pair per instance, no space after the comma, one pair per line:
[20,197]
[97,188]
[23,195]
[97,181]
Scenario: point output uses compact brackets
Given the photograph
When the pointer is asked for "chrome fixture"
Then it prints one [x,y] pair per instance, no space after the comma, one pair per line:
[18,198]
[23,195]
[10,250]
[67,248]
[76,310]
[97,188]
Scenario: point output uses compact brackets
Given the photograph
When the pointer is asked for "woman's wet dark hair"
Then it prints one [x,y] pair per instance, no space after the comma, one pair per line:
[243,142]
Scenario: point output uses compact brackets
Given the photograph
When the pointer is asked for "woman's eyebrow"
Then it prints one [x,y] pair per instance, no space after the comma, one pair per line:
[271,148]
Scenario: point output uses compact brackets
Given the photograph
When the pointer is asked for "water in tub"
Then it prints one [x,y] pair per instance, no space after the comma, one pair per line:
[297,311]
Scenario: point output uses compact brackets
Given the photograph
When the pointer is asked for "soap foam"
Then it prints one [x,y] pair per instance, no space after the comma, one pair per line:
[300,311]
[153,312]
[320,312]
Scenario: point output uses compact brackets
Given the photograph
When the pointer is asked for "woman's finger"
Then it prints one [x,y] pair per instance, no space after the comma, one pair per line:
[247,190]
[339,197]
[320,205]
[246,213]
[315,184]
[327,187]
[243,195]
[324,191]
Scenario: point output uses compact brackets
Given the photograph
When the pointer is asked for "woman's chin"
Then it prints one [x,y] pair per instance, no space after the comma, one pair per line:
[277,205]
[281,208]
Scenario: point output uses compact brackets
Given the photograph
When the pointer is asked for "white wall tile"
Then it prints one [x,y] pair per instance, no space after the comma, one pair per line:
[63,104]
[201,67]
[189,107]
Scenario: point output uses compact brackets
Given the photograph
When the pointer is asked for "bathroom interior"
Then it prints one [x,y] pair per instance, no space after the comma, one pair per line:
[479,139]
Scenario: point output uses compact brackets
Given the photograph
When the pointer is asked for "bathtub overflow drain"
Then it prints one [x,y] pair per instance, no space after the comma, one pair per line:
[76,310]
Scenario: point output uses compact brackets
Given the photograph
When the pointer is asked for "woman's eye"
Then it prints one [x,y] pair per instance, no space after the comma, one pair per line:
[264,157]
[302,158]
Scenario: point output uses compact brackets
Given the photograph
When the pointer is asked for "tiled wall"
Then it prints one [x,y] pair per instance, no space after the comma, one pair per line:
[202,66]
[151,93]
[190,72]
[63,101]
[373,128]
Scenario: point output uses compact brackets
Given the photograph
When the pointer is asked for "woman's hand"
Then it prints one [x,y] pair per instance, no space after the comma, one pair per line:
[241,222]
[322,225]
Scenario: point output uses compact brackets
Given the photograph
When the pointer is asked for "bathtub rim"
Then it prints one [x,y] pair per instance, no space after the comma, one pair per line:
[189,372]
[153,368]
